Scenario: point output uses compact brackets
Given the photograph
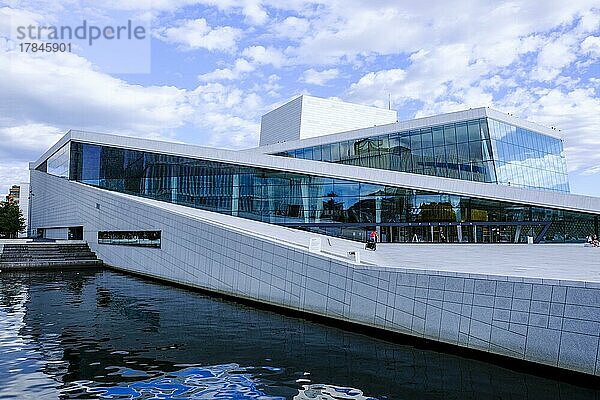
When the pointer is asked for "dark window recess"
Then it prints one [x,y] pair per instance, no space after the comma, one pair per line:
[42,167]
[130,238]
[76,233]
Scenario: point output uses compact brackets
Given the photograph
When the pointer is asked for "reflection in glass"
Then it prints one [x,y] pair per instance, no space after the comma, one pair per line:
[130,238]
[462,150]
[313,202]
[58,163]
[528,159]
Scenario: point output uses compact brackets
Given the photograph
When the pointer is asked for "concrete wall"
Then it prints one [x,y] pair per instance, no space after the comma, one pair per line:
[551,322]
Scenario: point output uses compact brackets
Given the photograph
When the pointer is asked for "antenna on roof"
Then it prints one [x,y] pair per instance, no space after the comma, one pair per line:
[389,101]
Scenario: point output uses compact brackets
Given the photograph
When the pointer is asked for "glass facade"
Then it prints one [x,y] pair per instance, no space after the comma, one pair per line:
[462,150]
[332,206]
[58,163]
[528,159]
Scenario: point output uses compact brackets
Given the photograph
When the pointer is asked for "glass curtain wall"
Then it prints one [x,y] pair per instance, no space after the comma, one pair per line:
[58,163]
[461,150]
[332,206]
[528,159]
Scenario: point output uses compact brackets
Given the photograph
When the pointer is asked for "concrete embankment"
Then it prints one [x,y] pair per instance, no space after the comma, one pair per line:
[18,255]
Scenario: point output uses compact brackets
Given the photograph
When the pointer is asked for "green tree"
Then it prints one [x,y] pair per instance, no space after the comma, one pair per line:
[11,220]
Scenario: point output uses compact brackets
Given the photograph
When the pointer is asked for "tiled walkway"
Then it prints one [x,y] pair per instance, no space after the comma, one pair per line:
[545,261]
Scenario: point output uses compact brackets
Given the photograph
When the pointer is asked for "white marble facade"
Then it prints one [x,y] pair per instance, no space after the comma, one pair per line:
[550,322]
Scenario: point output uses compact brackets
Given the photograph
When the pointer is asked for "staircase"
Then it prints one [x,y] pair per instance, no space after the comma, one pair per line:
[42,255]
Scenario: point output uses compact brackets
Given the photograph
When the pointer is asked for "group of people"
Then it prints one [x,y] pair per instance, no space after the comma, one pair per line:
[593,240]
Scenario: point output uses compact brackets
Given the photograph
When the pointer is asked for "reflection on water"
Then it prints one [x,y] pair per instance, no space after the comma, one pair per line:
[101,334]
[216,382]
[327,392]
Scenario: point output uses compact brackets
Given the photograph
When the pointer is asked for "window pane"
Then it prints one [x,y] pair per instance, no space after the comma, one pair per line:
[335,152]
[462,134]
[326,152]
[415,140]
[476,151]
[474,133]
[317,153]
[426,138]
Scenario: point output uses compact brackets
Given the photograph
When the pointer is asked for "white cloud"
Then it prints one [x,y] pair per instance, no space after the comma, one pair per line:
[264,55]
[592,171]
[11,18]
[253,10]
[50,94]
[12,173]
[591,45]
[26,139]
[230,114]
[292,27]
[255,13]
[345,30]
[374,87]
[63,89]
[258,55]
[197,34]
[314,77]
[240,67]
[573,112]
[270,86]
[553,57]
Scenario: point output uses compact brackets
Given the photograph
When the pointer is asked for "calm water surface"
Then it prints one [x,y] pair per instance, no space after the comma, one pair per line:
[100,334]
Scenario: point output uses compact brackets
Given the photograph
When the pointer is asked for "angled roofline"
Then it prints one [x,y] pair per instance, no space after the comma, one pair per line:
[434,184]
[423,122]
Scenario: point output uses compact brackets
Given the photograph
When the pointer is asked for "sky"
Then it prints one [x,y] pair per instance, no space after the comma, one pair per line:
[211,68]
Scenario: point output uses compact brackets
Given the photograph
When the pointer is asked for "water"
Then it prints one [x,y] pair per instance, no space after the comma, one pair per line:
[101,334]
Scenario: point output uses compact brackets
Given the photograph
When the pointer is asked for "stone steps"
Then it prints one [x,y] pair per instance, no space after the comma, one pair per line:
[44,255]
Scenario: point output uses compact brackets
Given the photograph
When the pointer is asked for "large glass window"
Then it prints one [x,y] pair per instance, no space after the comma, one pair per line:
[430,151]
[59,162]
[130,238]
[314,203]
[527,159]
[462,150]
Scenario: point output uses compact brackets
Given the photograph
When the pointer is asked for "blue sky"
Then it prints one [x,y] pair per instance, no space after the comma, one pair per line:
[216,66]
